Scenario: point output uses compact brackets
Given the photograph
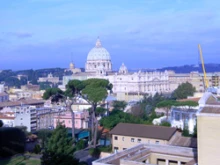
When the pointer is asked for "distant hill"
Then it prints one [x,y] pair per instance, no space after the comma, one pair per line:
[190,68]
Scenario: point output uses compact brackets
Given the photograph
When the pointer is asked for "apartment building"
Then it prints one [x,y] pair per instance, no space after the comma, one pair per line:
[126,135]
[208,130]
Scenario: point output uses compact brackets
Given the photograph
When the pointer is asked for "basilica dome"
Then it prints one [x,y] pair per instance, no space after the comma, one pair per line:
[98,53]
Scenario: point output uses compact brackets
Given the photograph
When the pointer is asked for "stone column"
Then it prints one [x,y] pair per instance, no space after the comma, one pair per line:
[167,162]
[179,162]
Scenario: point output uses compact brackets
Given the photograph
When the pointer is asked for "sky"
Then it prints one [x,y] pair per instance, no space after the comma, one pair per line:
[38,34]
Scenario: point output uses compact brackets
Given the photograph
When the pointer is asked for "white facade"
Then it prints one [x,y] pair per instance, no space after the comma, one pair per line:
[98,65]
[184,117]
[98,58]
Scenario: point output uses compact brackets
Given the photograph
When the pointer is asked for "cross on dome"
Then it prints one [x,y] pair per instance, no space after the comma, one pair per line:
[98,43]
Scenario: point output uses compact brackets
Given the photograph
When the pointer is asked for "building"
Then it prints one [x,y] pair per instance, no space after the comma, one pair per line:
[7,119]
[30,87]
[49,78]
[73,69]
[184,117]
[151,154]
[81,119]
[208,130]
[126,135]
[14,105]
[4,97]
[45,117]
[126,84]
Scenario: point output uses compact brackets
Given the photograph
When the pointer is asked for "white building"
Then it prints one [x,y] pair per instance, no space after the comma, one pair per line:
[49,78]
[184,116]
[125,83]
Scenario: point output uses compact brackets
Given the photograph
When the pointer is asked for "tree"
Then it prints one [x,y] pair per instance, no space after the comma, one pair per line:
[100,111]
[166,104]
[44,135]
[12,141]
[92,90]
[55,92]
[118,116]
[59,149]
[95,91]
[166,124]
[183,91]
[119,105]
[138,111]
[1,123]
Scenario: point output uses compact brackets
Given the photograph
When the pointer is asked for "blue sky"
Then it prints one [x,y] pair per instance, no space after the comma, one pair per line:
[142,33]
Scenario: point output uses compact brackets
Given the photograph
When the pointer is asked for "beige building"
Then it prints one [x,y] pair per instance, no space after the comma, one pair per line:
[126,135]
[49,78]
[151,154]
[208,121]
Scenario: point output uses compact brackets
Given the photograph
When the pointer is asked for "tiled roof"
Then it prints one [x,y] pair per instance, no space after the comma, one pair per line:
[19,102]
[141,130]
[211,109]
[3,94]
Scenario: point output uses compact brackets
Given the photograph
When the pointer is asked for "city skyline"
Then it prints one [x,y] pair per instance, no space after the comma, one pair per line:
[144,34]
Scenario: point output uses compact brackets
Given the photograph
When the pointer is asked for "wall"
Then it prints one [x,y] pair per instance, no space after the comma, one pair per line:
[125,141]
[155,156]
[208,139]
[23,120]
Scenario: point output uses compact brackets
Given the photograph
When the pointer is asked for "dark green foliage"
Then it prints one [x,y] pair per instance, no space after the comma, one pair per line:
[186,132]
[55,93]
[44,135]
[1,123]
[81,144]
[195,131]
[117,116]
[23,129]
[9,76]
[165,123]
[119,105]
[59,149]
[138,111]
[183,91]
[100,111]
[37,149]
[74,87]
[170,103]
[106,148]
[12,141]
[95,152]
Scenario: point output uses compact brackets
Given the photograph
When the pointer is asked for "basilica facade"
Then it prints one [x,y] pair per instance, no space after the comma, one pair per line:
[125,83]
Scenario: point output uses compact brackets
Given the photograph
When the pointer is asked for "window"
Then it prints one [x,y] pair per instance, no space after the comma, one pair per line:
[21,119]
[124,148]
[157,142]
[116,137]
[116,149]
[139,140]
[132,139]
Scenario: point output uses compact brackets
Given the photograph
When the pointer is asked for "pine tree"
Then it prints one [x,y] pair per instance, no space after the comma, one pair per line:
[59,149]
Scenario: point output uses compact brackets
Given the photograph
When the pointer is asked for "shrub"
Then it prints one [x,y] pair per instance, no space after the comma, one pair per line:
[37,149]
[12,141]
[95,152]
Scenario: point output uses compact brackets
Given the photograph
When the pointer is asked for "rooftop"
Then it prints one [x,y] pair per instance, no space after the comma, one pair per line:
[211,109]
[21,102]
[139,153]
[141,130]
